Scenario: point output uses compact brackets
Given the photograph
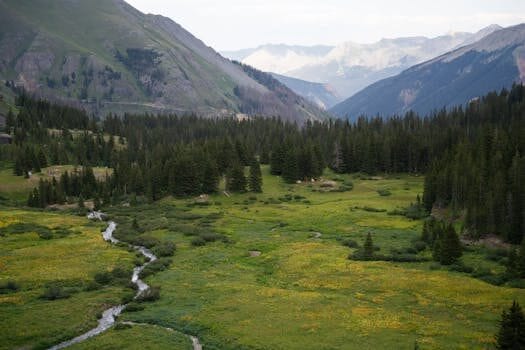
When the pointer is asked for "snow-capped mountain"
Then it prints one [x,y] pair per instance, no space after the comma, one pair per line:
[496,61]
[350,67]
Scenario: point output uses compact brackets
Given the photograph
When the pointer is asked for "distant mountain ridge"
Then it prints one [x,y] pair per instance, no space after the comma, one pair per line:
[494,62]
[323,95]
[106,56]
[350,67]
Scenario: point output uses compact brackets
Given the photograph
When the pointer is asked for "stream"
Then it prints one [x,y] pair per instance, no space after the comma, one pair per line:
[109,316]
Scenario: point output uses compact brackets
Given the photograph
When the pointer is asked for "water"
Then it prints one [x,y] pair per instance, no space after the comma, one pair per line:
[109,316]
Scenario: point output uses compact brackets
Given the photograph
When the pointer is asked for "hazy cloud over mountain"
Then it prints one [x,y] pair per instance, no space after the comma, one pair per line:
[236,24]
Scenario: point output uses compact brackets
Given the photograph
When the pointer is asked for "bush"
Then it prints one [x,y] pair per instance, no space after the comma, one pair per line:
[103,277]
[9,287]
[55,292]
[149,295]
[350,243]
[517,283]
[164,249]
[384,192]
[92,285]
[397,212]
[373,210]
[134,307]
[210,236]
[407,258]
[460,267]
[156,266]
[198,242]
[121,326]
[419,246]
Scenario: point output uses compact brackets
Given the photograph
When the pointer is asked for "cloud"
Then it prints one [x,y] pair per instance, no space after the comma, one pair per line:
[230,24]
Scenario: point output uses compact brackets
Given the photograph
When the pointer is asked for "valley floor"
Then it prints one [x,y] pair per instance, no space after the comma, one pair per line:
[255,271]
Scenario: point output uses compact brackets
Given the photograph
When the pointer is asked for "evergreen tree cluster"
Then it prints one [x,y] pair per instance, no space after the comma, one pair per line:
[80,183]
[484,171]
[445,243]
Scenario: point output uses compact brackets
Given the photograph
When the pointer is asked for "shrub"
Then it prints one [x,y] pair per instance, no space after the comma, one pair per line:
[210,236]
[9,287]
[198,242]
[350,243]
[55,292]
[120,326]
[384,192]
[397,212]
[406,258]
[103,277]
[92,285]
[156,266]
[164,249]
[373,210]
[419,246]
[149,295]
[134,307]
[460,267]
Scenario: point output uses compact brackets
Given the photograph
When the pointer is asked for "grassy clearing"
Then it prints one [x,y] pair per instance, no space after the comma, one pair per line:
[302,292]
[71,261]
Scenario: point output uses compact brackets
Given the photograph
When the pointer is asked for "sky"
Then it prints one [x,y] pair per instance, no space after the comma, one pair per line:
[238,24]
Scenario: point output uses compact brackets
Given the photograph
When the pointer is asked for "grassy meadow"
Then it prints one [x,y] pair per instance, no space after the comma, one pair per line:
[260,271]
[282,280]
[70,258]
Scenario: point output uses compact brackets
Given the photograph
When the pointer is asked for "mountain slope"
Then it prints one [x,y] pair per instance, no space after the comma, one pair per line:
[492,63]
[106,56]
[323,95]
[350,67]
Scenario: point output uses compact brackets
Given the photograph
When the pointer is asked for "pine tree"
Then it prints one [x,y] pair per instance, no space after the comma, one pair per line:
[235,179]
[81,204]
[511,334]
[135,225]
[255,179]
[210,180]
[290,170]
[277,159]
[368,247]
[447,246]
[96,204]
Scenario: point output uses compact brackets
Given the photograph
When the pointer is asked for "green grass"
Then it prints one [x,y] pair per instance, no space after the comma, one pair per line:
[142,337]
[29,321]
[302,292]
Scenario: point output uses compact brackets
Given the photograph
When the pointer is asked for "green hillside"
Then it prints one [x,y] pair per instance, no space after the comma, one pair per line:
[106,56]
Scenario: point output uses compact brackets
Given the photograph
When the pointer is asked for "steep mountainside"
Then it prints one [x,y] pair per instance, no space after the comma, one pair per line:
[106,56]
[323,95]
[350,67]
[492,63]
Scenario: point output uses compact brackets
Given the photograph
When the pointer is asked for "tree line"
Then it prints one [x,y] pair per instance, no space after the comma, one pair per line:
[473,157]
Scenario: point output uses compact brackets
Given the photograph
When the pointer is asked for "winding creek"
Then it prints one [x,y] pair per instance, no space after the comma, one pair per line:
[109,316]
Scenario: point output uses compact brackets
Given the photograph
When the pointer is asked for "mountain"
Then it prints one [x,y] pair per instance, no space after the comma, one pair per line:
[323,95]
[350,67]
[492,63]
[106,56]
[280,58]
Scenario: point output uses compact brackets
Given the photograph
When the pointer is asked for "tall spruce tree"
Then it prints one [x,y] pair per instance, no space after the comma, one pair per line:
[368,247]
[255,179]
[235,179]
[511,334]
